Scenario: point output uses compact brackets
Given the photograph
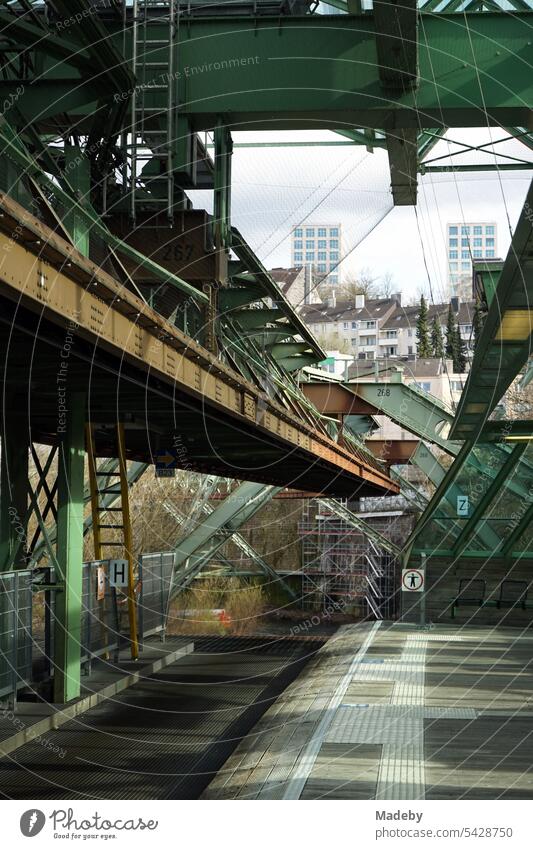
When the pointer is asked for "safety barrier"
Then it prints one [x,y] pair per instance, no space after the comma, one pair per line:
[26,656]
[15,631]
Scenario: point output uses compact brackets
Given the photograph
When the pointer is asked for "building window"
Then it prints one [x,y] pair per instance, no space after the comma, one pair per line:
[410,349]
[410,332]
[354,342]
[354,325]
[453,231]
[490,243]
[478,254]
[322,266]
[298,245]
[489,230]
[346,325]
[298,233]
[390,351]
[310,245]
[478,243]
[322,245]
[466,329]
[424,385]
[370,324]
[456,386]
[465,255]
[390,334]
[334,232]
[333,244]
[464,243]
[465,266]
[465,231]
[333,279]
[309,257]
[334,256]
[332,266]
[310,233]
[321,232]
[453,243]
[453,266]
[370,340]
[298,257]
[453,254]
[322,256]
[490,254]
[478,230]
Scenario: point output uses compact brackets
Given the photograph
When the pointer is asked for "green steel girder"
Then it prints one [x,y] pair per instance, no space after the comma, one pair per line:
[13,487]
[427,418]
[519,528]
[271,290]
[505,343]
[396,28]
[473,525]
[197,548]
[409,407]
[425,460]
[309,74]
[67,610]
[352,519]
[135,471]
[11,145]
[256,319]
[242,544]
[438,495]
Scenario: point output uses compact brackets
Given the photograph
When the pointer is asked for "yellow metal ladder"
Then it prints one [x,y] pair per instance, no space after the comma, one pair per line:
[106,480]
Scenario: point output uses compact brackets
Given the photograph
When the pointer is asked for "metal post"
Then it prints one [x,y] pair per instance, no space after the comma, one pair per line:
[13,487]
[68,600]
[78,171]
[423,593]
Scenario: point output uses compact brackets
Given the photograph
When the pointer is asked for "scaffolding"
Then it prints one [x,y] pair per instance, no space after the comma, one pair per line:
[343,571]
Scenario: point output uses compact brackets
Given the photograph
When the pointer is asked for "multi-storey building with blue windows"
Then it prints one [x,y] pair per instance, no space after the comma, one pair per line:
[319,245]
[466,242]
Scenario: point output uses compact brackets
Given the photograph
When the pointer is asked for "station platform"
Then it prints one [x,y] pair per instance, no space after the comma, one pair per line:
[390,711]
[165,736]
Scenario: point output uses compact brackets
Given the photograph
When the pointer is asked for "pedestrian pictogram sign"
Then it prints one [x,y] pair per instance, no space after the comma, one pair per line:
[413,580]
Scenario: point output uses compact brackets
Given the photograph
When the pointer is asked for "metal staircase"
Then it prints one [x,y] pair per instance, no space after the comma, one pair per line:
[107,520]
[153,107]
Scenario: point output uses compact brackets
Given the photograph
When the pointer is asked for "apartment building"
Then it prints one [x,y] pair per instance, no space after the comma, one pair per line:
[398,332]
[298,285]
[319,246]
[464,243]
[352,326]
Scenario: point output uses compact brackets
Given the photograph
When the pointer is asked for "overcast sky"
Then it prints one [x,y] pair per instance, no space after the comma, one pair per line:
[276,188]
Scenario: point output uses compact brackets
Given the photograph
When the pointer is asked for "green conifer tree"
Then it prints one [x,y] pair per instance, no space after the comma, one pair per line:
[437,342]
[422,330]
[451,336]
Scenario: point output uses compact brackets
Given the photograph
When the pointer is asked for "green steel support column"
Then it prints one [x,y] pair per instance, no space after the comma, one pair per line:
[77,171]
[13,487]
[472,526]
[222,199]
[518,530]
[67,635]
[424,459]
[439,494]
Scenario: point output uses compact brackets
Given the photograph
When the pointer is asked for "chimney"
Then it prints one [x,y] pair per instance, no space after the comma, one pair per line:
[332,300]
[455,303]
[397,296]
[359,301]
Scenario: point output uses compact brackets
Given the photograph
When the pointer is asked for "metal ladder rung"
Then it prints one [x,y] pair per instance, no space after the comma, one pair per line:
[111,527]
